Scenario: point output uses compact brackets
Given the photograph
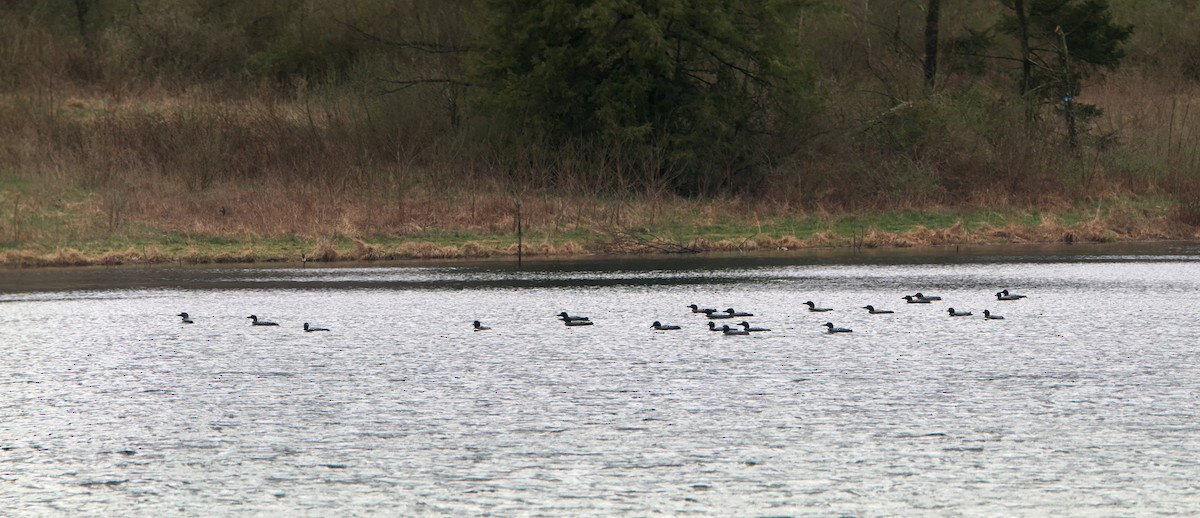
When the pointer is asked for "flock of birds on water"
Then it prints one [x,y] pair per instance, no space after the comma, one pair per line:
[712,314]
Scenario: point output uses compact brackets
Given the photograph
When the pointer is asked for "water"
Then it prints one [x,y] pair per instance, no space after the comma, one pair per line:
[1081,402]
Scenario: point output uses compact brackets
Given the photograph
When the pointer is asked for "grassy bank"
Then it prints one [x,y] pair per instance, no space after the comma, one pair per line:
[191,178]
[43,226]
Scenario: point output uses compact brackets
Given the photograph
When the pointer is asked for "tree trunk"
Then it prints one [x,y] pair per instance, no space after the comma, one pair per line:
[1026,60]
[1023,40]
[931,42]
[1068,97]
[81,10]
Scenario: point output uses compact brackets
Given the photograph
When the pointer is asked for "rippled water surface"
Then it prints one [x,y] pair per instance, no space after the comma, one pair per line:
[1083,401]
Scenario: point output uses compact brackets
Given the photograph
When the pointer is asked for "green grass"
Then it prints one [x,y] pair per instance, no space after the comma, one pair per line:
[60,224]
[841,226]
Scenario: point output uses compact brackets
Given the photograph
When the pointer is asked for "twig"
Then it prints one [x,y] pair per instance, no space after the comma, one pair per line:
[625,239]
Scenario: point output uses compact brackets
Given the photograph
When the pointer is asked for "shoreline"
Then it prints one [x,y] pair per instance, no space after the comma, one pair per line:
[556,228]
[398,252]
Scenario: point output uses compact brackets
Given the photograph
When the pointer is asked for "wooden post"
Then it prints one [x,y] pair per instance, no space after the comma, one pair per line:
[520,238]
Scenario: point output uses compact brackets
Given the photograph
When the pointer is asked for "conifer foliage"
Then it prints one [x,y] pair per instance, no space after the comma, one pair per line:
[701,85]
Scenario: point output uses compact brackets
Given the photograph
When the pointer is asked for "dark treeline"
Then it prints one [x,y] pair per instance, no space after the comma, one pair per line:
[875,103]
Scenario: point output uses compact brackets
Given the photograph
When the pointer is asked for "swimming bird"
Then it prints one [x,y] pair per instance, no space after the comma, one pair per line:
[660,327]
[575,323]
[987,315]
[813,307]
[480,327]
[186,320]
[871,309]
[255,321]
[698,309]
[927,297]
[568,318]
[954,313]
[913,300]
[712,314]
[712,326]
[311,329]
[1005,295]
[733,330]
[746,325]
[733,313]
[837,329]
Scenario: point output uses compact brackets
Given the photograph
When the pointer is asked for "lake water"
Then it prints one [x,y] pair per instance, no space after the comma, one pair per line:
[1083,401]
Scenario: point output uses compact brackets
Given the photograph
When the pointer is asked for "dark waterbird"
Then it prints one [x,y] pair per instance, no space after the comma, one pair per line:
[871,309]
[954,313]
[479,327]
[568,318]
[837,329]
[749,329]
[988,315]
[712,314]
[914,300]
[712,326]
[660,327]
[698,309]
[185,318]
[308,329]
[1005,295]
[733,331]
[577,323]
[255,321]
[812,306]
[927,297]
[733,313]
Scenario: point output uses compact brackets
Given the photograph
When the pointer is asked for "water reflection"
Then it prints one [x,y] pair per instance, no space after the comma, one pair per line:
[629,271]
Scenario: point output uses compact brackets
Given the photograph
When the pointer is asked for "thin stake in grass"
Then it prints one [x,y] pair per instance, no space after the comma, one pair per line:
[520,237]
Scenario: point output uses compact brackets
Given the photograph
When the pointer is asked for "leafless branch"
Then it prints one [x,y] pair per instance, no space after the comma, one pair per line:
[402,84]
[627,240]
[423,46]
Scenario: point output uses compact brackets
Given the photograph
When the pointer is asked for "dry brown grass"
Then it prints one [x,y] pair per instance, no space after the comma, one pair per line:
[1119,226]
[114,258]
[192,255]
[427,250]
[364,251]
[23,258]
[82,165]
[325,252]
[69,257]
[176,158]
[475,249]
[782,243]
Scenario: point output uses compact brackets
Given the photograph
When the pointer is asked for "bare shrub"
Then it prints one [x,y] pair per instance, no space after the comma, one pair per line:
[364,251]
[475,249]
[1186,192]
[68,257]
[325,252]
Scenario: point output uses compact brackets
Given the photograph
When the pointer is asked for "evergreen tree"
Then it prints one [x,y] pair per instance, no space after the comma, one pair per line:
[697,82]
[1059,44]
[1062,41]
